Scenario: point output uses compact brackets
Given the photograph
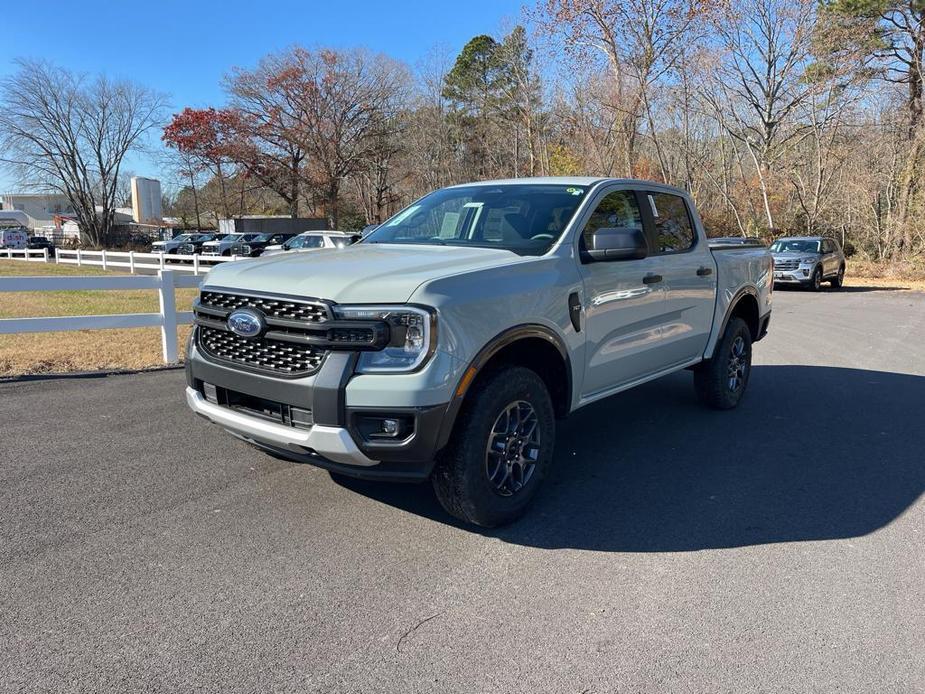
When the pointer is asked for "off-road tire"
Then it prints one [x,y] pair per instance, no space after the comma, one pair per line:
[712,378]
[461,479]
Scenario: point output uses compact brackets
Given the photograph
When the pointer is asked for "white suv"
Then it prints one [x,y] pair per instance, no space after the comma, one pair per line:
[313,240]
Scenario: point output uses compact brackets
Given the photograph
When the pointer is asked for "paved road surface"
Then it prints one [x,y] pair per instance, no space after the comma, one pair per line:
[779,547]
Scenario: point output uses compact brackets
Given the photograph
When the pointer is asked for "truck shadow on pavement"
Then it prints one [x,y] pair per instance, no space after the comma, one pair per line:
[812,453]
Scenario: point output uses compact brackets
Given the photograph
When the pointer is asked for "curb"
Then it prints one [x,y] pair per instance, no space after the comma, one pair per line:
[26,378]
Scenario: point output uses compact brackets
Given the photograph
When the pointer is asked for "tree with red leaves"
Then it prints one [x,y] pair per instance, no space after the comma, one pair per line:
[209,139]
[314,117]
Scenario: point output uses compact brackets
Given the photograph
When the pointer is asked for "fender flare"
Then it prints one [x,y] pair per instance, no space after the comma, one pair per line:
[748,290]
[496,344]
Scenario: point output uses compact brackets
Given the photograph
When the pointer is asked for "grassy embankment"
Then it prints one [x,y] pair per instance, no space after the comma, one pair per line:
[907,275]
[84,350]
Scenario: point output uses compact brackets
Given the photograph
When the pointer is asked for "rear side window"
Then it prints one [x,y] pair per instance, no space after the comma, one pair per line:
[618,210]
[673,230]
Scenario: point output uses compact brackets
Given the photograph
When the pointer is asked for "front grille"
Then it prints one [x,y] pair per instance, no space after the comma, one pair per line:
[786,264]
[276,308]
[285,358]
[290,345]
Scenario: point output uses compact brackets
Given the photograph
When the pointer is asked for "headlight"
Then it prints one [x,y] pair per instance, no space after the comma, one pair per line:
[412,332]
[807,261]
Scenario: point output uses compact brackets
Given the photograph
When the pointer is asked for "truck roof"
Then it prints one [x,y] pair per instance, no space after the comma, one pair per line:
[571,181]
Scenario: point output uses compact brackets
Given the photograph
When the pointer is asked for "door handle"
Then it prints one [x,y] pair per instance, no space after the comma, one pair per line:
[574,311]
[651,279]
[704,271]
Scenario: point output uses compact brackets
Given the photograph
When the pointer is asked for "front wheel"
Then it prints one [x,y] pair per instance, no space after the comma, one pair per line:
[839,280]
[721,381]
[815,282]
[500,449]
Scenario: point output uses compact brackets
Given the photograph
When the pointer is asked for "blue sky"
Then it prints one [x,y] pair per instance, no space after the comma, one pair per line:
[184,48]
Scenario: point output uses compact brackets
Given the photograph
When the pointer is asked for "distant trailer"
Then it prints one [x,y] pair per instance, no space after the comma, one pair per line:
[271,225]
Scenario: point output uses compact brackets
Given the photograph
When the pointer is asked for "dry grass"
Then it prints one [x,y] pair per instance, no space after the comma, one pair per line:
[84,350]
[868,273]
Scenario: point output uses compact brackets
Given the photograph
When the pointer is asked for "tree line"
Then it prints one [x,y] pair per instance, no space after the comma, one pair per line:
[779,116]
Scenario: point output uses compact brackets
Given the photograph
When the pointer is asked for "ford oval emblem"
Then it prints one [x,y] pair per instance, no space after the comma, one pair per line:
[245,323]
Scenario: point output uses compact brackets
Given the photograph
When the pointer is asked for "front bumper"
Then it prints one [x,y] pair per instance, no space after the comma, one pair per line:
[333,443]
[334,437]
[798,276]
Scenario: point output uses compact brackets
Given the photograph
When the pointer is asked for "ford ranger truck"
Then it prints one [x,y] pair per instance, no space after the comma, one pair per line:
[448,342]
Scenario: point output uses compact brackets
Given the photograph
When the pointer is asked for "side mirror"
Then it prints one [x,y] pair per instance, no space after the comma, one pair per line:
[619,243]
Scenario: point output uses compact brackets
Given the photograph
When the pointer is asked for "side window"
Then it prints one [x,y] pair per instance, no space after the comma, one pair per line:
[828,246]
[618,210]
[673,230]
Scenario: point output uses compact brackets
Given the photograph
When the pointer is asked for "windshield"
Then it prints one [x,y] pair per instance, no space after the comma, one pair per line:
[523,218]
[182,237]
[795,246]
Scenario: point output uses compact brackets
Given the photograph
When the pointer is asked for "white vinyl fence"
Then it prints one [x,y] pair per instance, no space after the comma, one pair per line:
[33,255]
[121,260]
[165,282]
[134,262]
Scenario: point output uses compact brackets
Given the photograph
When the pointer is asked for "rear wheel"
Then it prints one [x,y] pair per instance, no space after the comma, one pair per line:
[721,381]
[839,279]
[500,449]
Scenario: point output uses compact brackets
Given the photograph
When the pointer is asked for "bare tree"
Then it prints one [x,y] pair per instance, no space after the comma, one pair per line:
[641,43]
[764,56]
[70,134]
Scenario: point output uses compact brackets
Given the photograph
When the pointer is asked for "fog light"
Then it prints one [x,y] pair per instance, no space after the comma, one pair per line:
[390,427]
[384,427]
[805,272]
[210,392]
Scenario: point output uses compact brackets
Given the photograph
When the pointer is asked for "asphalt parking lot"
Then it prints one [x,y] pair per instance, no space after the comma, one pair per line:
[778,547]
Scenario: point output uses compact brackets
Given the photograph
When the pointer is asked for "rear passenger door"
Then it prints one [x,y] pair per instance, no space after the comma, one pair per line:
[689,276]
[829,258]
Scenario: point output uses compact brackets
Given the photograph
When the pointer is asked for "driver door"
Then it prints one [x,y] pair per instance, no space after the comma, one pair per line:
[624,303]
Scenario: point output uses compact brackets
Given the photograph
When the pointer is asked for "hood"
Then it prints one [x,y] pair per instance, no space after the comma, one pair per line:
[211,243]
[793,254]
[367,273]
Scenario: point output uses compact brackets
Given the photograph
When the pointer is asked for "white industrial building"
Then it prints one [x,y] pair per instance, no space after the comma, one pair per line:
[50,214]
[146,201]
[35,211]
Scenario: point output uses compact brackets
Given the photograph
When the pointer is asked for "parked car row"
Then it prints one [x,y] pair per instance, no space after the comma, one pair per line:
[18,239]
[174,245]
[252,245]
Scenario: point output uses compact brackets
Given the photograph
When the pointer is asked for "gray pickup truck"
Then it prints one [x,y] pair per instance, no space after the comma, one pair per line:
[447,343]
